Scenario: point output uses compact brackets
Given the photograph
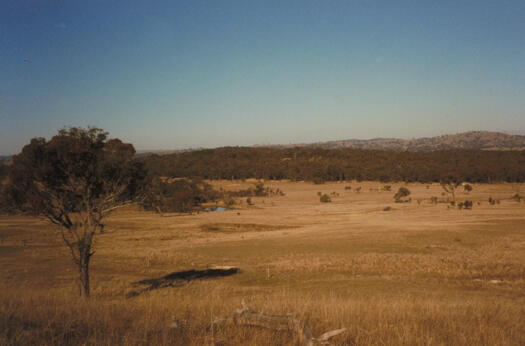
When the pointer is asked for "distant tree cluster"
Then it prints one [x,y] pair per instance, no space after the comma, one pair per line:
[181,195]
[258,190]
[318,165]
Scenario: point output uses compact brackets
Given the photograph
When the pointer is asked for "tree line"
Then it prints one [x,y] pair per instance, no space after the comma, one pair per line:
[318,165]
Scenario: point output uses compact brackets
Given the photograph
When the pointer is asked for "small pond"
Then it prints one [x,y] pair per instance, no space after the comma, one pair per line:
[217,209]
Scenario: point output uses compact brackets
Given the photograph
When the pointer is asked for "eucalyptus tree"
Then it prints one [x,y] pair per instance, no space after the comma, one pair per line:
[75,180]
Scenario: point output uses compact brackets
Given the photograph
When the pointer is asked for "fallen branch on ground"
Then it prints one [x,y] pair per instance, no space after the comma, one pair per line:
[248,317]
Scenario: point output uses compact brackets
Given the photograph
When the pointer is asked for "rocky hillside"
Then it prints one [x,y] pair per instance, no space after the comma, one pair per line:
[483,140]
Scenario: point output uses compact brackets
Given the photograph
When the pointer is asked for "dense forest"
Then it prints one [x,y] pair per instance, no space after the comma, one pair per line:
[318,165]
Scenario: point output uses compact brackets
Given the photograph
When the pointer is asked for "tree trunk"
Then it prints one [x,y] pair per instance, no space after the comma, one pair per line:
[83,268]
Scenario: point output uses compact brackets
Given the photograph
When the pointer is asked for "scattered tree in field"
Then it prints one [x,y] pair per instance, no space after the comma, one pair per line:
[493,201]
[401,194]
[450,185]
[465,205]
[75,180]
[325,198]
[467,188]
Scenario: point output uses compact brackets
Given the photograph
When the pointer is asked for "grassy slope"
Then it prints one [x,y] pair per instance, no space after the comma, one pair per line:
[417,274]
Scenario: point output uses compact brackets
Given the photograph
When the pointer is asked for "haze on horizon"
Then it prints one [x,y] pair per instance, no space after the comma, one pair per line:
[172,75]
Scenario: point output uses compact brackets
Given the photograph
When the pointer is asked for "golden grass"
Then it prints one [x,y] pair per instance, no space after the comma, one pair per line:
[240,227]
[418,274]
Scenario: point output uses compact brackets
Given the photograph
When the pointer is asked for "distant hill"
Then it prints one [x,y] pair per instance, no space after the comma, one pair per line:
[478,140]
[472,140]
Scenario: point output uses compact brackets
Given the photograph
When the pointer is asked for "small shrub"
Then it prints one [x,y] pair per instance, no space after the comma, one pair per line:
[400,194]
[325,198]
[387,188]
[492,201]
[249,201]
[348,187]
[387,208]
[434,200]
[357,189]
[467,188]
[465,205]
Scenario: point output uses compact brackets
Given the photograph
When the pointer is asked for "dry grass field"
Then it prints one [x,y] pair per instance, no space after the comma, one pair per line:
[416,273]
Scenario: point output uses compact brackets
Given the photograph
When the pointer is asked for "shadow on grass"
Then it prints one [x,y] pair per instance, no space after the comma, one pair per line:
[181,278]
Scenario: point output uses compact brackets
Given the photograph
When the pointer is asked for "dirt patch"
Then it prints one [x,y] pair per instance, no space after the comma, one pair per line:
[240,227]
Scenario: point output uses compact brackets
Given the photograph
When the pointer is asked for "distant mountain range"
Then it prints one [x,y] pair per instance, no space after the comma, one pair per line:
[478,140]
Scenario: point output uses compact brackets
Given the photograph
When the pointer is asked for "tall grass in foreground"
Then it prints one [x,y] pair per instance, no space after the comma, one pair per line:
[60,318]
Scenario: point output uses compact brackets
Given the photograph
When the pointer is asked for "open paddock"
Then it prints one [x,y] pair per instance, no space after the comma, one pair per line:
[414,273]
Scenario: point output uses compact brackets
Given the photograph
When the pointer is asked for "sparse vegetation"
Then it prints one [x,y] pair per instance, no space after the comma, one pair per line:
[429,278]
[401,195]
[258,190]
[325,198]
[450,184]
[320,255]
[465,205]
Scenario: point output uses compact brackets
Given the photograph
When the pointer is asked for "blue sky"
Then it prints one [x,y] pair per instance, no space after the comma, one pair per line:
[179,74]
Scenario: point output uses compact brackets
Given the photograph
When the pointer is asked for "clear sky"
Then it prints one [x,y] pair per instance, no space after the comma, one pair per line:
[180,74]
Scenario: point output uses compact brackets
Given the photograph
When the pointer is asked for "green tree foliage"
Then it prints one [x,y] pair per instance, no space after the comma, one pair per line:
[75,180]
